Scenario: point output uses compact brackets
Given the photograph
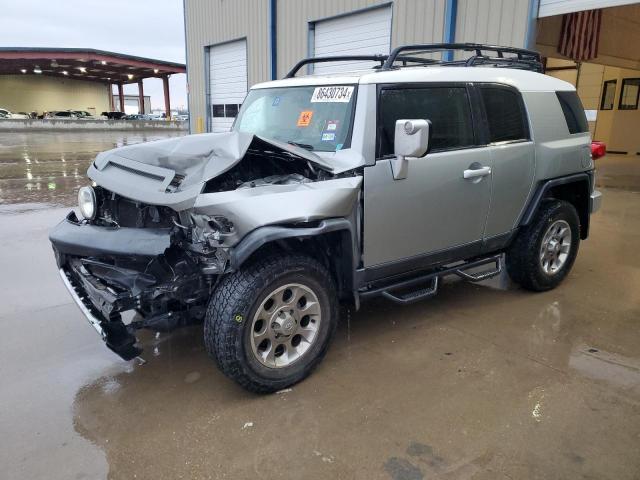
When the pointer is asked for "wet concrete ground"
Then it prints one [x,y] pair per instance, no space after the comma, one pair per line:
[477,383]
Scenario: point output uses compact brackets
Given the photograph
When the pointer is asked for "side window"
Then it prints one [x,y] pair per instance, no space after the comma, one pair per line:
[608,95]
[506,117]
[630,94]
[447,108]
[573,112]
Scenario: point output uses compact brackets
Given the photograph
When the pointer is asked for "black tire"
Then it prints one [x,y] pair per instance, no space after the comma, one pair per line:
[231,309]
[523,256]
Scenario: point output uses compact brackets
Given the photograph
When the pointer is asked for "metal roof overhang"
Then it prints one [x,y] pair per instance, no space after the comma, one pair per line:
[84,64]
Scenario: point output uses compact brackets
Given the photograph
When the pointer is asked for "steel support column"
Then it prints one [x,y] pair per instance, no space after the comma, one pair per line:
[140,97]
[273,32]
[121,96]
[110,87]
[450,18]
[167,102]
[532,21]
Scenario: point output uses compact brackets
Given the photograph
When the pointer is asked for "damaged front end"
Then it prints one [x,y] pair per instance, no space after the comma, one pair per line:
[111,270]
[168,222]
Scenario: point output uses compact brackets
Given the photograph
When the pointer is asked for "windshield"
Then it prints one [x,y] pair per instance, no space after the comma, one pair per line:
[315,118]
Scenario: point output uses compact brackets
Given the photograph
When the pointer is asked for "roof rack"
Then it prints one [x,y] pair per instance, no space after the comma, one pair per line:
[338,58]
[519,58]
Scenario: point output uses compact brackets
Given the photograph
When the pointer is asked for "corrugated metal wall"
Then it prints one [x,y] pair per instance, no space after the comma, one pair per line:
[413,21]
[497,22]
[209,22]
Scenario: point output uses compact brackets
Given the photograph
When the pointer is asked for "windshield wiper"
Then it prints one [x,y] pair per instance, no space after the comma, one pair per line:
[306,146]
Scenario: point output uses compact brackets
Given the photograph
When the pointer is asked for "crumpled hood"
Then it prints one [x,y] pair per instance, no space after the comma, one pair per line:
[172,172]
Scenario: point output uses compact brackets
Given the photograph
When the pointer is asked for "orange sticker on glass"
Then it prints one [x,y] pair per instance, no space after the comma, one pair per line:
[305,118]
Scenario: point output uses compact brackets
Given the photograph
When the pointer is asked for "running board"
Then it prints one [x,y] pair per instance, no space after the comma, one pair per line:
[431,280]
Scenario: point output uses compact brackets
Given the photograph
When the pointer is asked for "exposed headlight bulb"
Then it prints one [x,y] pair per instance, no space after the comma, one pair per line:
[87,202]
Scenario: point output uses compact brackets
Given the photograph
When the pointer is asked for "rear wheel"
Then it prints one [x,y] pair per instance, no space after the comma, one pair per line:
[269,325]
[545,250]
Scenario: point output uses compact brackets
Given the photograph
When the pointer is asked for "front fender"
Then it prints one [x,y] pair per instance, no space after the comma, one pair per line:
[255,208]
[262,236]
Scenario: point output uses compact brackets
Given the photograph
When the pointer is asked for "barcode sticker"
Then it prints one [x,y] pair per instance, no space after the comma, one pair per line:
[340,94]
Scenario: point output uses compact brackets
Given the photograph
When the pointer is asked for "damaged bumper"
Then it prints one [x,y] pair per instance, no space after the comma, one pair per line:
[116,336]
[75,238]
[110,270]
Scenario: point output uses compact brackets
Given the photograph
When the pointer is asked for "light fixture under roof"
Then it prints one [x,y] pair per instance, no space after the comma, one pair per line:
[130,76]
[155,70]
[37,70]
[23,70]
[103,62]
[82,69]
[64,72]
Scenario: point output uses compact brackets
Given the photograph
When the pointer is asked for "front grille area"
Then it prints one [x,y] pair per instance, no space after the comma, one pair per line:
[116,209]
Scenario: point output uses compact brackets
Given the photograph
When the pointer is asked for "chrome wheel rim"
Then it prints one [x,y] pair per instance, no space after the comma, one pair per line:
[285,325]
[555,247]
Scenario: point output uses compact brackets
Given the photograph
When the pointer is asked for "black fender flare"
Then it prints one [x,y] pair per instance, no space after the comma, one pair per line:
[543,189]
[346,265]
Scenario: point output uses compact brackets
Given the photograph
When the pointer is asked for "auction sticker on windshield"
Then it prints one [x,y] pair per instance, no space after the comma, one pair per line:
[340,94]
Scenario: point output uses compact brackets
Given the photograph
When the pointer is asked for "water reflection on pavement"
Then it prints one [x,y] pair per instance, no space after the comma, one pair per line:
[49,167]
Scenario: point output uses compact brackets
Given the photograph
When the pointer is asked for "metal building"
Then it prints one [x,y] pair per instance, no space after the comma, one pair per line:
[232,45]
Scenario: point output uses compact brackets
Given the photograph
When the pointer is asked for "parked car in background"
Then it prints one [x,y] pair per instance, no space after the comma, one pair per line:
[4,113]
[61,115]
[83,115]
[140,116]
[114,115]
[181,118]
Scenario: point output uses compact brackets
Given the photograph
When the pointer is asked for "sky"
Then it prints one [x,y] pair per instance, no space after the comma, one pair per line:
[146,28]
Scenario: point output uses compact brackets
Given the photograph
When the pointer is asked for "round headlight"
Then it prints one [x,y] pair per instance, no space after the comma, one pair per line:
[87,202]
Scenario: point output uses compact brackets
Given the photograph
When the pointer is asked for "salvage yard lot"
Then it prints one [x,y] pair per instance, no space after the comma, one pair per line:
[477,382]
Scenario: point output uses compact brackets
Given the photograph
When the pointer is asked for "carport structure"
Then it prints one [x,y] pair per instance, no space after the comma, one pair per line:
[91,65]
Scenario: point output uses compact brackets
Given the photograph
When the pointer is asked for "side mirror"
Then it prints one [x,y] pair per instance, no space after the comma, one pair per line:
[411,139]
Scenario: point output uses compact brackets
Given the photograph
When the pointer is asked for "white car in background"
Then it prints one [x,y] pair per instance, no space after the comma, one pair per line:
[62,115]
[4,113]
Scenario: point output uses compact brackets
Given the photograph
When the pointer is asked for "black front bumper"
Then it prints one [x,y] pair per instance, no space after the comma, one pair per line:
[102,298]
[72,237]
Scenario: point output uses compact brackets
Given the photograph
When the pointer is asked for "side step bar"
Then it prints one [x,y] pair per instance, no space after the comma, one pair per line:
[431,279]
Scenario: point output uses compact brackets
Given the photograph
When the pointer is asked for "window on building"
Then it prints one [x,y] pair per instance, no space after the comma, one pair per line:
[224,110]
[447,108]
[629,94]
[505,115]
[573,112]
[608,95]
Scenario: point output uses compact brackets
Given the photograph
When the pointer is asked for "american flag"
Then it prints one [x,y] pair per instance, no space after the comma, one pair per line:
[579,35]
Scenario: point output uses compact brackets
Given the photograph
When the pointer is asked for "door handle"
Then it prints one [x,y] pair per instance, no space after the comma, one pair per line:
[477,172]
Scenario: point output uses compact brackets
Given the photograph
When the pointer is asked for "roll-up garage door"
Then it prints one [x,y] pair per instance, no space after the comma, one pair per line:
[227,83]
[363,33]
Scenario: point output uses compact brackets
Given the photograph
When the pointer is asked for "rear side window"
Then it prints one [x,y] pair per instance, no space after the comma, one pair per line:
[505,115]
[447,108]
[573,112]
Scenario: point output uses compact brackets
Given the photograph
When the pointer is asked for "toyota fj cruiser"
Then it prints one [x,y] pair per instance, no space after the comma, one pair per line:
[334,189]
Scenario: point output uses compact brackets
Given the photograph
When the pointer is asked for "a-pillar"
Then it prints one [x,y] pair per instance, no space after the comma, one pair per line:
[121,96]
[167,103]
[140,97]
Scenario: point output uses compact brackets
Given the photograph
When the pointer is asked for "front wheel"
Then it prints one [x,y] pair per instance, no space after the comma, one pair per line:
[269,325]
[544,251]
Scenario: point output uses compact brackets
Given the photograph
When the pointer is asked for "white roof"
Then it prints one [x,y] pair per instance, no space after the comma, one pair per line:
[523,80]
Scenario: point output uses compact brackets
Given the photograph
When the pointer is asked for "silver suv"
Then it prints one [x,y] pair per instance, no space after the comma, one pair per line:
[331,190]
